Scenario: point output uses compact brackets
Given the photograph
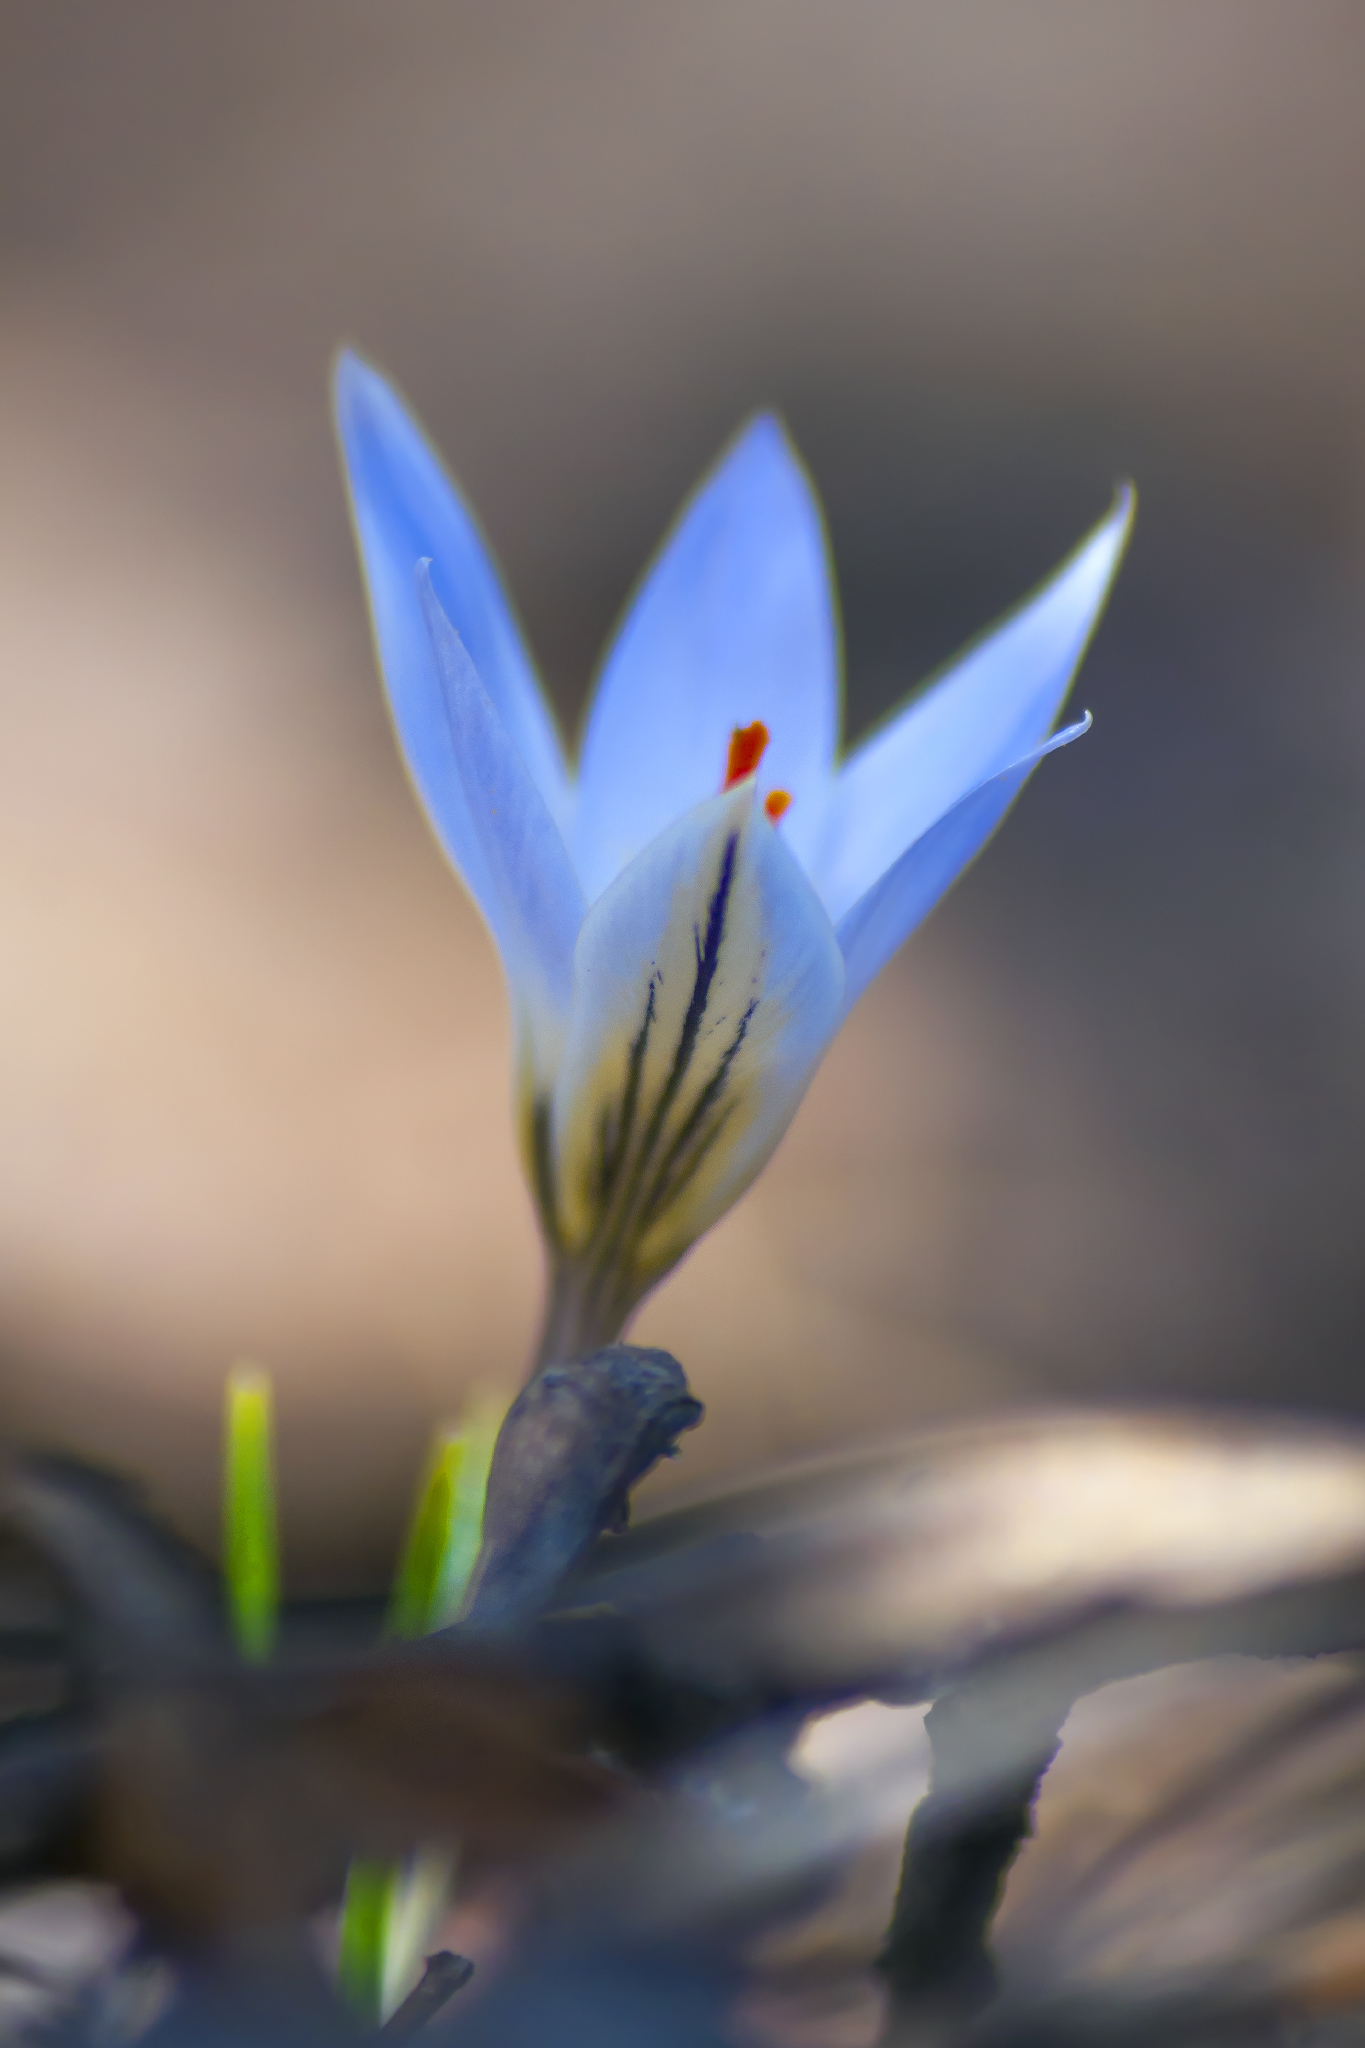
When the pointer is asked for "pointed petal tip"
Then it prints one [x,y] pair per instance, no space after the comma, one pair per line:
[764,440]
[366,402]
[350,374]
[764,425]
[1100,550]
[359,389]
[1116,527]
[1092,565]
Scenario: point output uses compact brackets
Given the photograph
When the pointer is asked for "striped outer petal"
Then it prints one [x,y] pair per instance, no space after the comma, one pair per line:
[995,703]
[882,919]
[707,983]
[735,621]
[406,509]
[529,893]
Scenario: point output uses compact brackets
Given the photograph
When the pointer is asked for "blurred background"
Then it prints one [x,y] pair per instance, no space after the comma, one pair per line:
[1100,1132]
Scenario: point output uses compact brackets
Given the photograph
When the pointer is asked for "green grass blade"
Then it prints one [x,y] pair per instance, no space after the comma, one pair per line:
[447,1524]
[365,1914]
[417,1903]
[250,1539]
[464,1532]
[417,1587]
[391,1912]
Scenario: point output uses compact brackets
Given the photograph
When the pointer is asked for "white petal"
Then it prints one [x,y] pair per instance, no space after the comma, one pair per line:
[707,983]
[528,890]
[995,703]
[882,919]
[734,622]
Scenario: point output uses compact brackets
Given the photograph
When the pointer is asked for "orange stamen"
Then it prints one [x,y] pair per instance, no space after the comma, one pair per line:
[746,751]
[776,803]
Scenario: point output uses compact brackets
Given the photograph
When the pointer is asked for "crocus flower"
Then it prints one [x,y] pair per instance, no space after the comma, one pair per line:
[686,918]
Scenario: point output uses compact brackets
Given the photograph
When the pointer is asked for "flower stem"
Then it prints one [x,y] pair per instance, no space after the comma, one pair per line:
[577,1321]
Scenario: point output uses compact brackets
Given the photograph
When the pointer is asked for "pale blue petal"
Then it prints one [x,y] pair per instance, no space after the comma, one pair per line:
[528,891]
[880,922]
[995,703]
[407,510]
[734,622]
[707,983]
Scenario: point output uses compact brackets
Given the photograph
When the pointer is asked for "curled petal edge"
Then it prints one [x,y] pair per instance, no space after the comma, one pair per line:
[882,919]
[997,699]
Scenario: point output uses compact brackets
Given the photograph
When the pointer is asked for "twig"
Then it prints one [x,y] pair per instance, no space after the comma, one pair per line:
[958,1849]
[578,1437]
[445,1974]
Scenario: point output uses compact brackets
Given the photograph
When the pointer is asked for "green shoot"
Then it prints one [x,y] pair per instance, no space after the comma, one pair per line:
[391,1912]
[419,1895]
[364,1935]
[417,1600]
[447,1524]
[250,1542]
